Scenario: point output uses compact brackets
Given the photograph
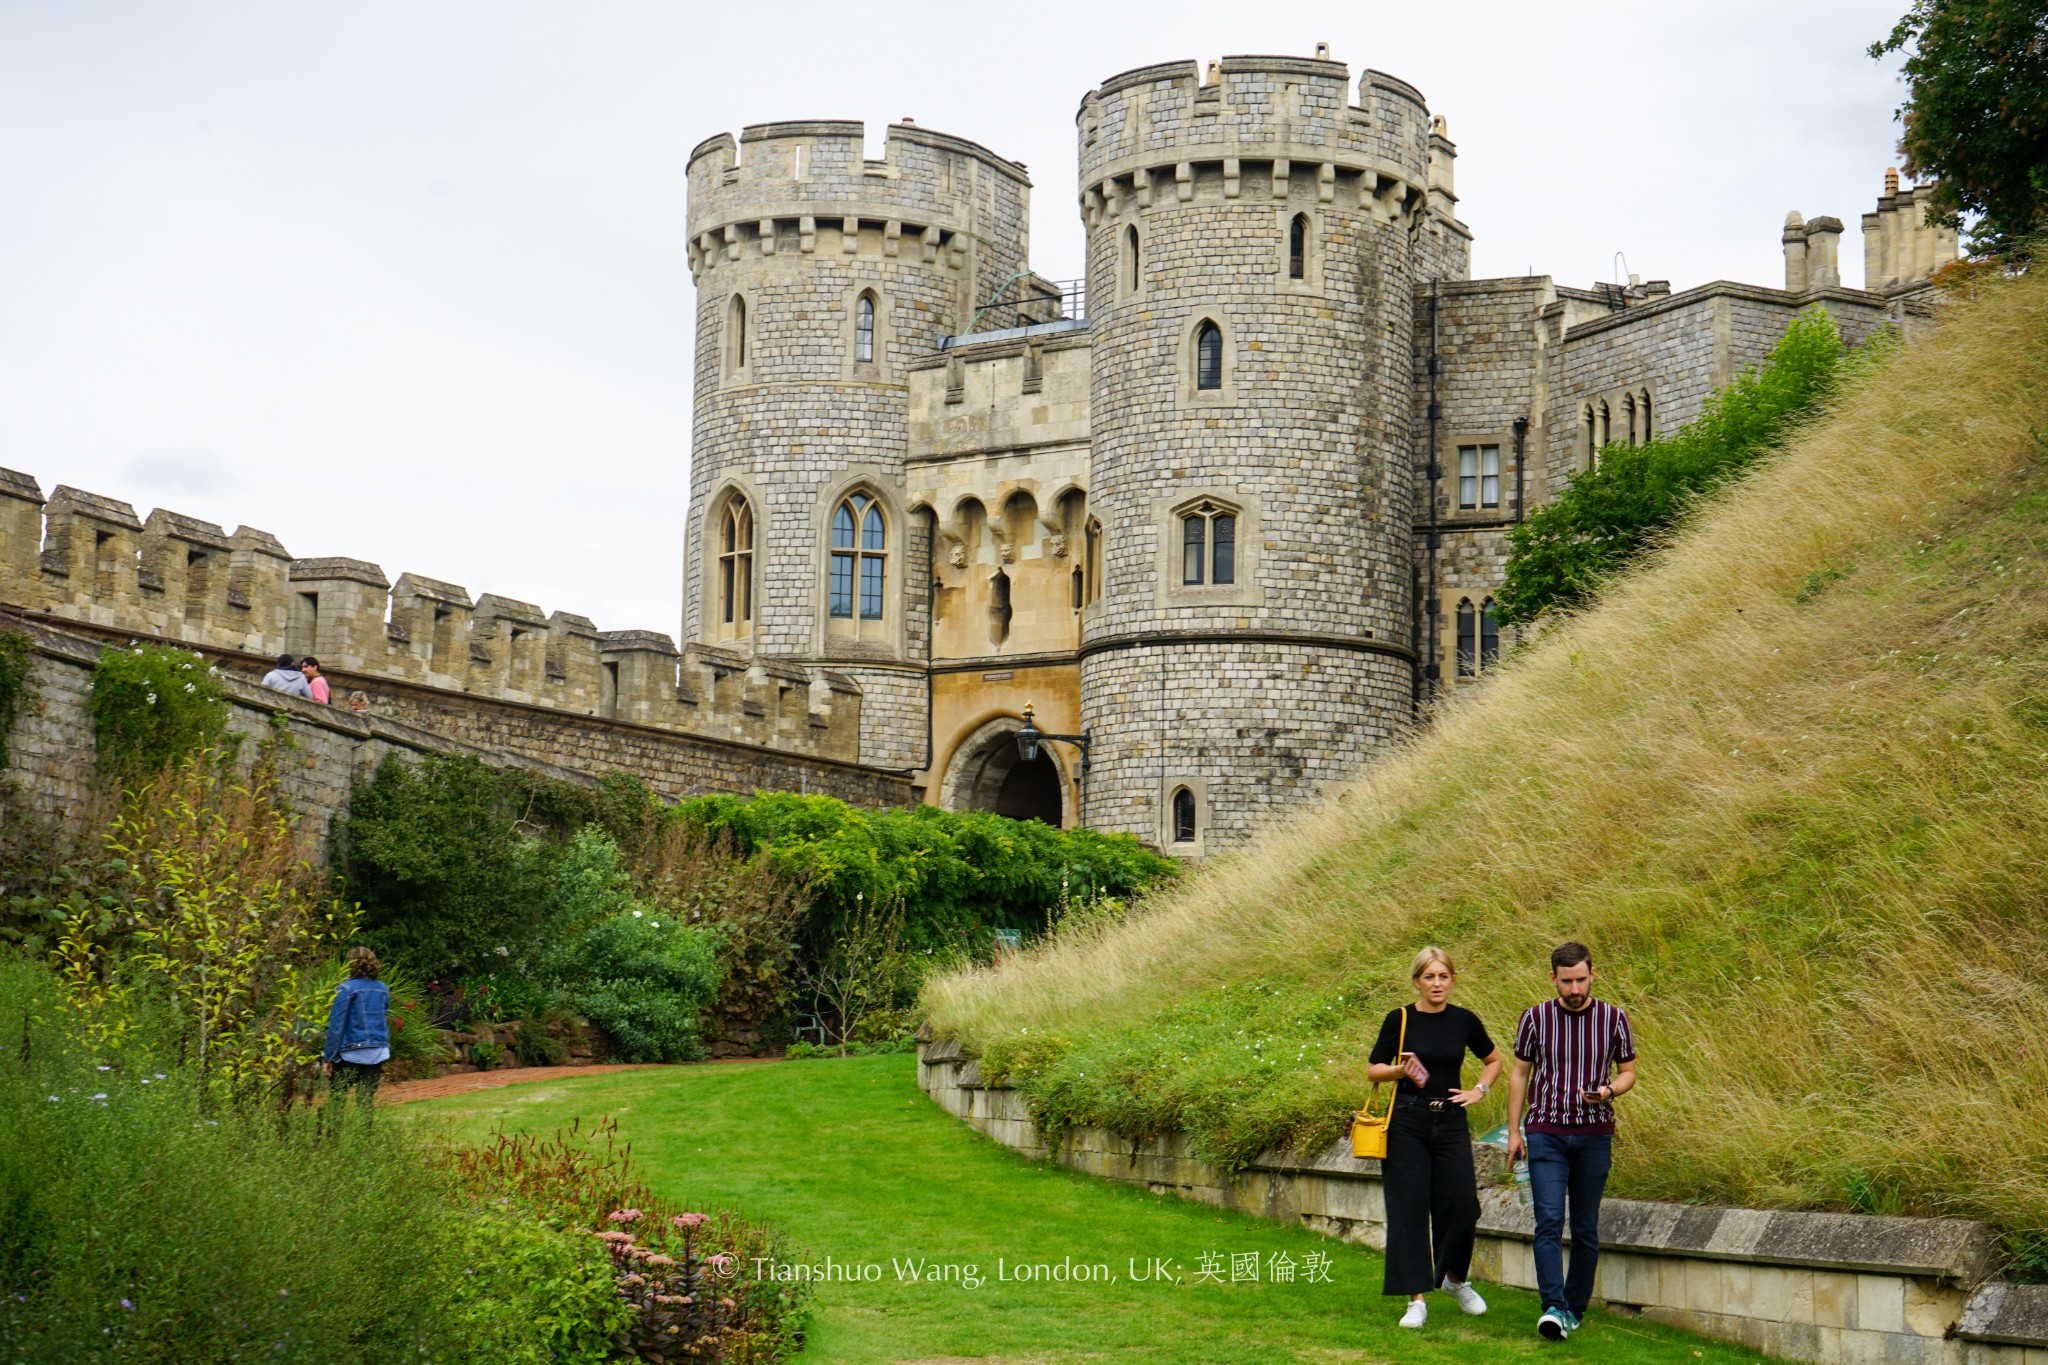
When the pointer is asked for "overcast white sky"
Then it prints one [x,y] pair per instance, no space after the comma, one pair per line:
[406,281]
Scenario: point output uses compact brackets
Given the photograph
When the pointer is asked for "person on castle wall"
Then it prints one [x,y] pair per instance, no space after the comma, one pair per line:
[287,678]
[1431,1188]
[359,703]
[315,684]
[1573,1056]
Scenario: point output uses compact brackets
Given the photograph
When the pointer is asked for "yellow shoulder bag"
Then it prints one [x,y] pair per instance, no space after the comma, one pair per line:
[1369,1130]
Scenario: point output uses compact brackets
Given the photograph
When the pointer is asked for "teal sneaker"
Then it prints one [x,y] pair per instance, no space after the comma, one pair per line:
[1554,1325]
[1572,1322]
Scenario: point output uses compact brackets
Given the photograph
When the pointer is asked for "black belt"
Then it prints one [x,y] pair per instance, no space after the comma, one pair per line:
[1433,1106]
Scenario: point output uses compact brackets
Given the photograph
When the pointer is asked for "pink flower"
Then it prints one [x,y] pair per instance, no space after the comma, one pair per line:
[689,1220]
[618,1238]
[624,1215]
[728,1303]
[661,1260]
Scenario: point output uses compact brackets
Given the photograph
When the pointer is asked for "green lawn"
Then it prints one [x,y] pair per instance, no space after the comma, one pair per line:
[852,1161]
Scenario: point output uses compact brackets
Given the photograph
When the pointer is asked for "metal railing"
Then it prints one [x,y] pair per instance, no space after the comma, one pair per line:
[1027,301]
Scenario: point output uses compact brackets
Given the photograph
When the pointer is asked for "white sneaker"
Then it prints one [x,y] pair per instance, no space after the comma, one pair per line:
[1467,1297]
[1417,1314]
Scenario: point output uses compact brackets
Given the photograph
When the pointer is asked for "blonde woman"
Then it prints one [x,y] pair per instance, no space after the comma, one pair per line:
[1432,1193]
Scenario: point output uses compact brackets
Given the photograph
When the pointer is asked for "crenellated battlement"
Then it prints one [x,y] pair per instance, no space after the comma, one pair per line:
[84,557]
[1258,126]
[807,187]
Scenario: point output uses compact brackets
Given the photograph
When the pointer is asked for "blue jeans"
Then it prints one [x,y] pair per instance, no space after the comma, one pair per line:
[1568,1168]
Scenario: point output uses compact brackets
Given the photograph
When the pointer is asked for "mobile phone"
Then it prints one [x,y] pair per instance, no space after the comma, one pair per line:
[1592,1096]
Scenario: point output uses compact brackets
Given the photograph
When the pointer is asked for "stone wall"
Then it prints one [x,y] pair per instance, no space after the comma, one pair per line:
[52,750]
[1836,1288]
[87,558]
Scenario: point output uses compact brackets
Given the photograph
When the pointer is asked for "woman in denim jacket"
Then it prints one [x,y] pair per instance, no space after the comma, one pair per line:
[358,1036]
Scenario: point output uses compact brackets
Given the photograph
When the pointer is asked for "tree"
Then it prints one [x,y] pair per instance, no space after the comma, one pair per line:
[1976,114]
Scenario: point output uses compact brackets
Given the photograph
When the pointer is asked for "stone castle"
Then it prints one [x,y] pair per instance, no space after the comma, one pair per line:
[1236,520]
[1231,509]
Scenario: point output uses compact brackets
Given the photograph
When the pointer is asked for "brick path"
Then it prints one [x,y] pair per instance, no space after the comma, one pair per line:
[439,1087]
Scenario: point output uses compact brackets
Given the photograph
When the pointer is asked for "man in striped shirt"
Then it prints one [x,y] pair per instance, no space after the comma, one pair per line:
[1573,1056]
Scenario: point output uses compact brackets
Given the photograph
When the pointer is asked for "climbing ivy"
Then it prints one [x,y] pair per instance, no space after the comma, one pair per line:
[17,694]
[153,705]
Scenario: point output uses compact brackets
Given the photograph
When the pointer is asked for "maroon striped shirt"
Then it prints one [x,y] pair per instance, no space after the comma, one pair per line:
[1571,1053]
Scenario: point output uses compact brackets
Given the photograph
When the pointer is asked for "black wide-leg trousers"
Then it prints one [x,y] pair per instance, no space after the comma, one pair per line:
[1432,1197]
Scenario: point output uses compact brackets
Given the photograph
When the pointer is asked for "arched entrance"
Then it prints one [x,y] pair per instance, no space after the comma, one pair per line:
[987,774]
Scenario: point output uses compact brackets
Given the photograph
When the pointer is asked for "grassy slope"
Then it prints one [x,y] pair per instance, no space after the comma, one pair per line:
[853,1162]
[1788,782]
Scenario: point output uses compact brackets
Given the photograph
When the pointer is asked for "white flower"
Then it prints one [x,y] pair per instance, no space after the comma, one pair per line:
[56,1099]
[636,914]
[657,924]
[152,699]
[502,951]
[160,1076]
[190,686]
[102,1095]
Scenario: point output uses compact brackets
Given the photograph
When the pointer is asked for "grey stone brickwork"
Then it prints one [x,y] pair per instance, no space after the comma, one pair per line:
[52,756]
[1201,182]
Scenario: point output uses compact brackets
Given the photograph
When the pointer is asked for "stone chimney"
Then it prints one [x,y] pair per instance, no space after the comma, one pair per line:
[1795,252]
[1823,254]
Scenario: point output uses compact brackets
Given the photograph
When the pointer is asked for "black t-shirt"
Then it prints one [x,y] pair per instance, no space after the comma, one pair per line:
[1441,1040]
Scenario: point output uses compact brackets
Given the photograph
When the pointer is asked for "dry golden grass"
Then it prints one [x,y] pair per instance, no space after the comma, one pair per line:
[1790,782]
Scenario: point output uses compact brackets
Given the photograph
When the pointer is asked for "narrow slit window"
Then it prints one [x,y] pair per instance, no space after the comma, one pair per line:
[1648,431]
[864,330]
[1297,247]
[736,334]
[1130,261]
[1183,816]
[1209,356]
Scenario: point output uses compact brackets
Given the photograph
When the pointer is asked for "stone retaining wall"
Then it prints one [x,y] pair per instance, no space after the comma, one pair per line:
[1836,1288]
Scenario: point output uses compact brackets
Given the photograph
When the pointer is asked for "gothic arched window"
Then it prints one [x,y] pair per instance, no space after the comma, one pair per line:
[1208,356]
[864,330]
[736,565]
[1489,637]
[1297,247]
[860,545]
[1644,406]
[1183,816]
[1208,545]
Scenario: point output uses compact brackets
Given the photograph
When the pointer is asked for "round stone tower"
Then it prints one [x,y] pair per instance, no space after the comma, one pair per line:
[820,276]
[1254,243]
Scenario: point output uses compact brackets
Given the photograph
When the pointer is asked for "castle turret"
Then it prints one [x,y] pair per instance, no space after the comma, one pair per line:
[1254,243]
[820,277]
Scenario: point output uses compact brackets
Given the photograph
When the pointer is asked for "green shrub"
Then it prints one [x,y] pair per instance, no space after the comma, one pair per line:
[958,874]
[138,1221]
[449,860]
[1608,516]
[638,973]
[153,705]
[533,1294]
[483,1054]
